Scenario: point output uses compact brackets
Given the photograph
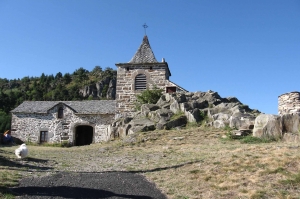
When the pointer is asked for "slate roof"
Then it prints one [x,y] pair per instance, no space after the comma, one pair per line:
[79,107]
[144,54]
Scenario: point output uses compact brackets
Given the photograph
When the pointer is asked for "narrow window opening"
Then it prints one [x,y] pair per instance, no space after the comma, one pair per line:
[127,68]
[140,82]
[60,113]
[43,136]
[151,68]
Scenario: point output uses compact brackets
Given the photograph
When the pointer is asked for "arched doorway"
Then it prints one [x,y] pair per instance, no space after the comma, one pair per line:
[83,135]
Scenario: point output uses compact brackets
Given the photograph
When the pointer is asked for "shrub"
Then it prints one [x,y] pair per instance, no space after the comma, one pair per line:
[148,97]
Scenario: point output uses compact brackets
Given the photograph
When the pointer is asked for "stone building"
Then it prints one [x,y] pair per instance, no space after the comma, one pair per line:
[289,103]
[142,72]
[76,122]
[86,122]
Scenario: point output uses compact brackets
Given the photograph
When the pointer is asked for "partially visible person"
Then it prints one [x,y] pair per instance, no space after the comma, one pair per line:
[8,139]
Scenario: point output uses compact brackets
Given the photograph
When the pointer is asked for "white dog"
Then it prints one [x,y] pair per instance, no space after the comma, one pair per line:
[22,151]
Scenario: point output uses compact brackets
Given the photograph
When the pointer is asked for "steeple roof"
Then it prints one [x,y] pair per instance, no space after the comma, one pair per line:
[144,54]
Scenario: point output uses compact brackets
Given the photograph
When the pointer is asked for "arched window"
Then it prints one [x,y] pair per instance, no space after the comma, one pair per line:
[140,82]
[60,113]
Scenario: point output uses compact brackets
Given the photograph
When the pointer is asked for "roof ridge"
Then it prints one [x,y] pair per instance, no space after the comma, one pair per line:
[144,54]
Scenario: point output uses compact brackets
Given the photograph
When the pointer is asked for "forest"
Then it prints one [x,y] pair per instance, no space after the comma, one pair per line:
[57,87]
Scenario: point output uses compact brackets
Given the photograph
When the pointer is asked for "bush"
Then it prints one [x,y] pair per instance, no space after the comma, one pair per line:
[148,97]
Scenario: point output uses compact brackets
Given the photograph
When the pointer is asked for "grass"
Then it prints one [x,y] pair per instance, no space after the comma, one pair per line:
[199,165]
[177,115]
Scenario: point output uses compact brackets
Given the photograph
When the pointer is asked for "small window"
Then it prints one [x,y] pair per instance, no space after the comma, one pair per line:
[43,136]
[127,68]
[60,113]
[140,82]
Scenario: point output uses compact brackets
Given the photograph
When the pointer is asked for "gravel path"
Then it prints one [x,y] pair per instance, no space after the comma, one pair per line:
[88,185]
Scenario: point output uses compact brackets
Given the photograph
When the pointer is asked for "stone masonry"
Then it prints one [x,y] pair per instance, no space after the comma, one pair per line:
[126,94]
[289,103]
[30,118]
[143,62]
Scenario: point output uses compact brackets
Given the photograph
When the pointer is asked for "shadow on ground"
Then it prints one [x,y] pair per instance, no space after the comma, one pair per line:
[88,185]
[18,164]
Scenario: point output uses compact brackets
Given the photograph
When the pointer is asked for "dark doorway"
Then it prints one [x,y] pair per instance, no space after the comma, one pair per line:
[83,135]
[171,89]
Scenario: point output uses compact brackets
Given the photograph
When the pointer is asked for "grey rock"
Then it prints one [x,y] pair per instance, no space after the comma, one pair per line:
[232,100]
[146,108]
[162,101]
[291,137]
[243,121]
[290,123]
[268,126]
[140,125]
[174,107]
[178,122]
[160,115]
[219,123]
[111,91]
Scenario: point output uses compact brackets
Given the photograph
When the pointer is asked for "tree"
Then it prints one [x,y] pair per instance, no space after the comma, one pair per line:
[4,121]
[97,71]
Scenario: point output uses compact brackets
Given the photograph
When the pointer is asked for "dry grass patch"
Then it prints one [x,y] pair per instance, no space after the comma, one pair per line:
[188,163]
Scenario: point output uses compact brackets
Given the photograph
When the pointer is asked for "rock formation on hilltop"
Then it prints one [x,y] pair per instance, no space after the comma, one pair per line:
[105,88]
[177,109]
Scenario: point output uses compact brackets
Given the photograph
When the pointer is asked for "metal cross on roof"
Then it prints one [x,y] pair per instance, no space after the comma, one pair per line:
[145,26]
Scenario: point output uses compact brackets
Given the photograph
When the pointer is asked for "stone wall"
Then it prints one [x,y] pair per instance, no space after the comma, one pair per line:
[27,126]
[125,87]
[289,103]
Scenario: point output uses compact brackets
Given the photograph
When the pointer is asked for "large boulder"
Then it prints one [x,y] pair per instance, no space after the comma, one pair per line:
[178,122]
[291,127]
[268,126]
[147,108]
[141,125]
[193,115]
[290,123]
[243,121]
[160,115]
[174,107]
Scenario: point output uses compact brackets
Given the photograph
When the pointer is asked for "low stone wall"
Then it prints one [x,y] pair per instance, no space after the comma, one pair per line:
[289,103]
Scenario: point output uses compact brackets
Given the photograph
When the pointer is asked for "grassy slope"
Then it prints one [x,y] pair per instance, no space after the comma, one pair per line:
[187,163]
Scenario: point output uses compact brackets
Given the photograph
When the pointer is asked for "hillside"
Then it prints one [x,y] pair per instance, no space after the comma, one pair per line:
[79,85]
[185,163]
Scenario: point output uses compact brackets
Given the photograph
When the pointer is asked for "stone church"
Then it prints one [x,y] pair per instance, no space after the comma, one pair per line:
[85,122]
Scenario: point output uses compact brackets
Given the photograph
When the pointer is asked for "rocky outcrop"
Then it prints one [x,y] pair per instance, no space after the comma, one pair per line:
[177,109]
[111,91]
[277,127]
[105,88]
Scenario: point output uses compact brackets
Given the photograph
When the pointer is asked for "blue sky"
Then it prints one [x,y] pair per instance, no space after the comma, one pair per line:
[249,49]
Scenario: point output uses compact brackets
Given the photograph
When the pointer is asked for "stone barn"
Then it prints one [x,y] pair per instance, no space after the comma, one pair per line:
[76,122]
